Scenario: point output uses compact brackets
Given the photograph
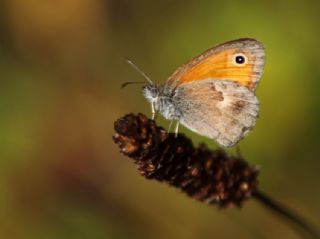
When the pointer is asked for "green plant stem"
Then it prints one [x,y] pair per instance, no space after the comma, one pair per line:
[301,226]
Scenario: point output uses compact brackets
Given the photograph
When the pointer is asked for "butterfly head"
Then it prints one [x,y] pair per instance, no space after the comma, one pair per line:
[151,92]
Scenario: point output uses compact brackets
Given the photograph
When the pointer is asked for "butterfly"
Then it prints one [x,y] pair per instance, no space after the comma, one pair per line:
[214,93]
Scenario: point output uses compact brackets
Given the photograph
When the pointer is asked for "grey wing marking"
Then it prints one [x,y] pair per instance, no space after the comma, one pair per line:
[222,110]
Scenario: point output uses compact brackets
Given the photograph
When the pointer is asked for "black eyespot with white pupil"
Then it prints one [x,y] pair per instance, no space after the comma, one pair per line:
[240,59]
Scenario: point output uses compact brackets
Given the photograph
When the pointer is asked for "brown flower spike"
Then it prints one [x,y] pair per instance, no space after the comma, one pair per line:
[210,176]
[213,177]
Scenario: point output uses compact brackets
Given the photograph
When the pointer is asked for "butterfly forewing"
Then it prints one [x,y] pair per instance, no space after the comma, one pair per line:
[220,63]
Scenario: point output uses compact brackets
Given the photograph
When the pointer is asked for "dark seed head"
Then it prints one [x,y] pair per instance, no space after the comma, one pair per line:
[210,176]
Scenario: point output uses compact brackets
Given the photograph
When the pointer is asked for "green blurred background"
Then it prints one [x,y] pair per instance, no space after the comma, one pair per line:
[61,176]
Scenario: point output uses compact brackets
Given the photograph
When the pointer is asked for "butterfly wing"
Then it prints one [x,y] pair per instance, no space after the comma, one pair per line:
[221,63]
[222,110]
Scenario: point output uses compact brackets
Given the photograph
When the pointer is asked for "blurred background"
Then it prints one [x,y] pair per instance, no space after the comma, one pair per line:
[61,68]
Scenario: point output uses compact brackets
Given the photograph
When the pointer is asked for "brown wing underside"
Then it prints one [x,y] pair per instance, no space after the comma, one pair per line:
[221,110]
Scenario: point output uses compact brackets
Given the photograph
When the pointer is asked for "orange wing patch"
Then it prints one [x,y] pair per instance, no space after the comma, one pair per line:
[220,63]
[221,67]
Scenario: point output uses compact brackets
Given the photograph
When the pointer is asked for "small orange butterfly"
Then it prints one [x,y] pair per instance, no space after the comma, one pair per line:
[213,94]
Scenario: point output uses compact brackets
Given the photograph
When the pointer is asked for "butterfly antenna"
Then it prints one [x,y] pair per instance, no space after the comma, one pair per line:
[132,83]
[138,70]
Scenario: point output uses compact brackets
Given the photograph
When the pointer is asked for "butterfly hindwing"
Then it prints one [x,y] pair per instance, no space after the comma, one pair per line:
[222,110]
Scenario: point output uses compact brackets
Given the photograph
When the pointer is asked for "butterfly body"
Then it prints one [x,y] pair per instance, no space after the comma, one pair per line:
[164,101]
[214,93]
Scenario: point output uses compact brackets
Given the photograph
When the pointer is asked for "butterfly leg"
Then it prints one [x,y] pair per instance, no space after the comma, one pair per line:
[177,129]
[170,126]
[238,153]
[153,111]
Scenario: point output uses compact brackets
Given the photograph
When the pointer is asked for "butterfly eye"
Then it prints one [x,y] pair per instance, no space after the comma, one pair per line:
[239,59]
[154,92]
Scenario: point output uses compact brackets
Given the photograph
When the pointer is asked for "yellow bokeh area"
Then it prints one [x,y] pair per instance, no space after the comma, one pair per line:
[61,68]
